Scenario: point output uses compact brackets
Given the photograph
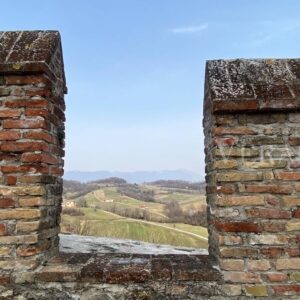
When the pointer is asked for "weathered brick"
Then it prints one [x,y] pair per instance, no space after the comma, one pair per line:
[258,265]
[268,213]
[242,277]
[268,239]
[2,229]
[229,240]
[7,203]
[232,264]
[24,147]
[269,188]
[294,140]
[27,227]
[289,201]
[19,213]
[233,130]
[19,239]
[9,135]
[288,264]
[238,227]
[239,176]
[225,120]
[246,119]
[39,135]
[238,252]
[38,158]
[225,213]
[288,175]
[231,289]
[279,153]
[293,225]
[295,276]
[235,105]
[32,103]
[296,213]
[290,289]
[11,180]
[26,80]
[10,113]
[225,152]
[225,164]
[262,140]
[276,277]
[229,141]
[240,200]
[265,164]
[25,124]
[272,252]
[273,226]
[36,168]
[256,290]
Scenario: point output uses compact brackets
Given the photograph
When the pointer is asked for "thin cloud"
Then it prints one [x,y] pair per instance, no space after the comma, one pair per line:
[189,29]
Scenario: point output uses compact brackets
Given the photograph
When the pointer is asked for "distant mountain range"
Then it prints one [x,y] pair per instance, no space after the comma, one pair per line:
[135,177]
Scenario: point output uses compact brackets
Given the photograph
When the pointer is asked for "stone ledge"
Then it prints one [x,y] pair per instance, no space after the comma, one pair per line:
[126,268]
[253,85]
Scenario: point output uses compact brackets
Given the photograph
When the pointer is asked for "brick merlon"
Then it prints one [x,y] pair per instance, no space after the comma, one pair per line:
[31,52]
[252,85]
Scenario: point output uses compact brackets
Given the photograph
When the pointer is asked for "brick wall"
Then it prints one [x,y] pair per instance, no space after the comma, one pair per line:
[252,144]
[252,139]
[32,90]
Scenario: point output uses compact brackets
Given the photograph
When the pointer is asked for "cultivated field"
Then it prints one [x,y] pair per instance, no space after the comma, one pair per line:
[106,211]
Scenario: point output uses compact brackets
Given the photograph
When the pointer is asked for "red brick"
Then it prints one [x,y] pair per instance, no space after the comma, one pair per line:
[26,80]
[4,279]
[226,189]
[296,213]
[25,124]
[24,147]
[268,213]
[233,130]
[10,113]
[32,157]
[25,169]
[235,105]
[39,135]
[2,229]
[295,164]
[7,203]
[42,92]
[36,112]
[38,103]
[286,289]
[269,188]
[294,141]
[238,227]
[57,171]
[9,135]
[11,180]
[272,200]
[277,277]
[293,252]
[225,141]
[288,175]
[272,252]
[274,226]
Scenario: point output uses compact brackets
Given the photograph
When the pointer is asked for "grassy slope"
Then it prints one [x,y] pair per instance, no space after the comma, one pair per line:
[102,223]
[105,224]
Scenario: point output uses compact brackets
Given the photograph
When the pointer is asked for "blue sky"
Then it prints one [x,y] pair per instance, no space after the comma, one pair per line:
[135,70]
